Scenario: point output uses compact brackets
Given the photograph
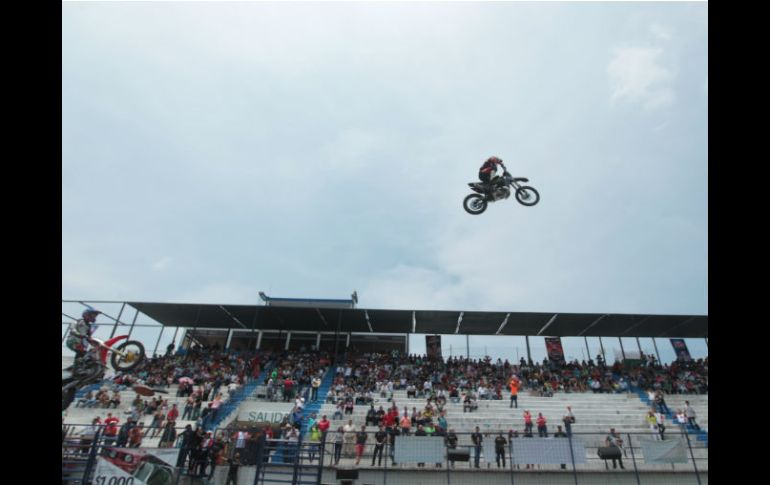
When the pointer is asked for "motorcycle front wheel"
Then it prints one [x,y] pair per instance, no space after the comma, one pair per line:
[133,355]
[475,204]
[527,195]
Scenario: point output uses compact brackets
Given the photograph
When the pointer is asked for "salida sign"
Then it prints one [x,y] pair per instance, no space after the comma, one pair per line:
[266,417]
[262,412]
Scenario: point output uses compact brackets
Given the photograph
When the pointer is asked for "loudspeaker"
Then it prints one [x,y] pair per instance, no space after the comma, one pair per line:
[347,474]
[462,454]
[609,453]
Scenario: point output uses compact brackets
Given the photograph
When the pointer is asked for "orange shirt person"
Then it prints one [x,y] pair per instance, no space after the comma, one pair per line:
[514,385]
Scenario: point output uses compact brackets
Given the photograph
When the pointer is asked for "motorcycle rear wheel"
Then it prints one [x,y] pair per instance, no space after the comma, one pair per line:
[475,204]
[527,195]
[134,351]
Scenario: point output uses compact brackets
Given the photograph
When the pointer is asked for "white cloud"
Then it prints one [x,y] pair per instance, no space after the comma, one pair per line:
[637,76]
[220,293]
[162,263]
[660,32]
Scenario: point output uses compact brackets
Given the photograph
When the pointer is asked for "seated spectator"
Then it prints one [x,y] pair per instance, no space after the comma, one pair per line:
[338,411]
[85,399]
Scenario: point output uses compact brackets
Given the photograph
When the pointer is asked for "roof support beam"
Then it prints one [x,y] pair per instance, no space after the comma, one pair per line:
[668,333]
[322,317]
[459,320]
[635,325]
[414,322]
[595,322]
[548,324]
[232,316]
[366,314]
[502,325]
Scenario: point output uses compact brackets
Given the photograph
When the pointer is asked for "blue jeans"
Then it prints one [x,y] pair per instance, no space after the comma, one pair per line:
[477,456]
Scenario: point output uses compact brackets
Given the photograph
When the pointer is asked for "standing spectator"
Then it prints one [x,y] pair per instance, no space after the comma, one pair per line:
[392,433]
[560,434]
[214,455]
[689,412]
[527,422]
[514,386]
[651,398]
[477,441]
[135,436]
[316,384]
[232,474]
[186,446]
[122,440]
[188,407]
[110,429]
[451,442]
[568,420]
[197,407]
[661,402]
[338,440]
[360,444]
[613,439]
[661,419]
[288,389]
[324,425]
[652,423]
[681,419]
[500,443]
[542,429]
[168,437]
[405,424]
[350,438]
[215,405]
[157,424]
[379,443]
[173,413]
[315,440]
[87,435]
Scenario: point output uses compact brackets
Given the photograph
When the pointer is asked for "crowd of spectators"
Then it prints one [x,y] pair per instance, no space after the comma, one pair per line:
[364,379]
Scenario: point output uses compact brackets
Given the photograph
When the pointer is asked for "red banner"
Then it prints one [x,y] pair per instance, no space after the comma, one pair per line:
[554,349]
[433,345]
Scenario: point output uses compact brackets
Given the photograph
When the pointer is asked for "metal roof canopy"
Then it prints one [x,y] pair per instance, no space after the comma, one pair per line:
[361,320]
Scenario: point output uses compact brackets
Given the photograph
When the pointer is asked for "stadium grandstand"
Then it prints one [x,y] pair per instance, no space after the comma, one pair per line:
[313,391]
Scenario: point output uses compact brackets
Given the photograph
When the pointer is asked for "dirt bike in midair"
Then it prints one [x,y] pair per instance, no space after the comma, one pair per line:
[499,189]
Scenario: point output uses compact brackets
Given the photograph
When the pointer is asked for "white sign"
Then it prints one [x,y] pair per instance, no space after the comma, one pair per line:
[265,412]
[136,466]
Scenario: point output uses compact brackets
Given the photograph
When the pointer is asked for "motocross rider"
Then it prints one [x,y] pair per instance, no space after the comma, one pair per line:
[488,171]
[77,341]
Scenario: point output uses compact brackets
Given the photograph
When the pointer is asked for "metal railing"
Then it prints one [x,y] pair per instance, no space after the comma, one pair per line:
[305,462]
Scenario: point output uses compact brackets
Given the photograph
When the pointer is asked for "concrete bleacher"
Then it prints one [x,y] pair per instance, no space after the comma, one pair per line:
[84,416]
[595,414]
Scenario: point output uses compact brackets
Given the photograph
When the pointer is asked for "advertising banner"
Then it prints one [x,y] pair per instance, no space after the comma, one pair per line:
[136,466]
[680,347]
[554,349]
[433,345]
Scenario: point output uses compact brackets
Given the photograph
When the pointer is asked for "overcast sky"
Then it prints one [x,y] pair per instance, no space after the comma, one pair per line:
[214,150]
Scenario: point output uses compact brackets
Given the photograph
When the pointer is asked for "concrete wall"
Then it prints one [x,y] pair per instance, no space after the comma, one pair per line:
[493,477]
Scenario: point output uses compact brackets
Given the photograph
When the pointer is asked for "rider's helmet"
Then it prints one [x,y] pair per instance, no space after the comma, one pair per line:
[89,315]
[495,160]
